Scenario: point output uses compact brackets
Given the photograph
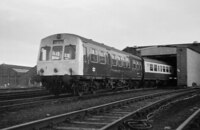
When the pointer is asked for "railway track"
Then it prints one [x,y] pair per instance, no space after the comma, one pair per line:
[7,105]
[22,94]
[103,117]
[192,122]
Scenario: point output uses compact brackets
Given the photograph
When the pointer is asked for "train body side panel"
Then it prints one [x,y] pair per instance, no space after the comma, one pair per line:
[107,70]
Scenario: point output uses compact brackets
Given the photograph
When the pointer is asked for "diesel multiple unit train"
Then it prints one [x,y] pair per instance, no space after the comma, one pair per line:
[71,63]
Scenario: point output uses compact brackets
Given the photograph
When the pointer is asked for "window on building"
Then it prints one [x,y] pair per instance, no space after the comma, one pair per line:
[57,53]
[70,52]
[94,56]
[102,57]
[44,53]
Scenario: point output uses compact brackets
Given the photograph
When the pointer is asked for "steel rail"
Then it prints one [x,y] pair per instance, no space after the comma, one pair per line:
[50,121]
[30,102]
[190,122]
[22,94]
[139,113]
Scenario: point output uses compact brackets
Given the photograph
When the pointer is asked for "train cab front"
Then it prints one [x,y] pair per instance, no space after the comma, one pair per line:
[59,62]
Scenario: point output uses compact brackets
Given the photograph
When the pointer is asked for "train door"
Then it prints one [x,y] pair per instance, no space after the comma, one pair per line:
[108,59]
[85,61]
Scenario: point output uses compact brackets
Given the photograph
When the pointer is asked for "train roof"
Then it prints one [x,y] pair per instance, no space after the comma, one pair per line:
[86,40]
[155,61]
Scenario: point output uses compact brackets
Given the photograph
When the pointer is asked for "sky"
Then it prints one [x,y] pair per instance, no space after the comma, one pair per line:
[116,23]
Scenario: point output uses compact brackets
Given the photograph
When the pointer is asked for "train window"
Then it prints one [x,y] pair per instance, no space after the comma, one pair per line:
[44,53]
[134,64]
[58,41]
[114,60]
[70,52]
[155,67]
[137,66]
[127,63]
[161,69]
[57,53]
[147,66]
[93,56]
[167,69]
[164,69]
[170,69]
[119,61]
[102,57]
[140,65]
[151,67]
[124,62]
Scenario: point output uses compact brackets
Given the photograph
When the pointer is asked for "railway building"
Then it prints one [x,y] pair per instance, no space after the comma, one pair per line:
[185,59]
[13,75]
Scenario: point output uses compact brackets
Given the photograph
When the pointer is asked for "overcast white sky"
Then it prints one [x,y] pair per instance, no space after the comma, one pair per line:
[117,23]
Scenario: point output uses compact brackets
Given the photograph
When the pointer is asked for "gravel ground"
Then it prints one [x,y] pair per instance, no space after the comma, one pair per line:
[171,117]
[30,114]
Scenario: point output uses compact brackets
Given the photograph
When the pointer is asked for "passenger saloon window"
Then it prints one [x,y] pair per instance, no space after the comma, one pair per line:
[114,60]
[128,63]
[151,67]
[102,57]
[167,69]
[155,67]
[163,68]
[70,52]
[93,55]
[119,61]
[124,62]
[44,53]
[57,53]
[134,64]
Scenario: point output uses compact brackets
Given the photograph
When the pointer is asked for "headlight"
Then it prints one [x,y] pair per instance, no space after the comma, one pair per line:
[55,70]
